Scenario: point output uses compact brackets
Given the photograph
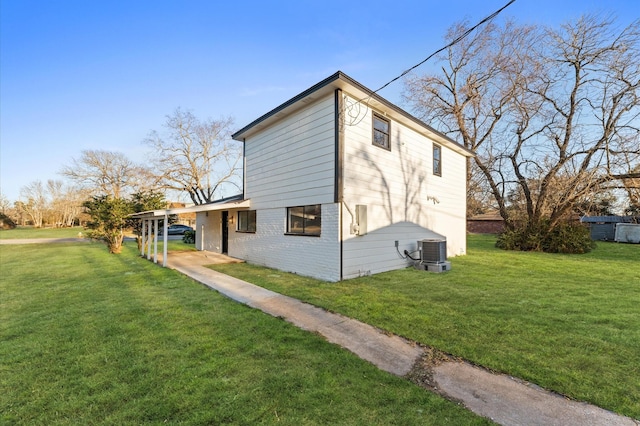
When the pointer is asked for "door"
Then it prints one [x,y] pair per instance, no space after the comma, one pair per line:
[225,232]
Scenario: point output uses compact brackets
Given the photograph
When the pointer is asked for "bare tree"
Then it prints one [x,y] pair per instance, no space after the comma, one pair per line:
[553,114]
[35,202]
[5,204]
[64,203]
[108,173]
[631,184]
[195,156]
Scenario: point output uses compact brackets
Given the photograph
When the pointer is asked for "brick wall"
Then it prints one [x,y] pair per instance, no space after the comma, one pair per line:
[485,226]
[317,257]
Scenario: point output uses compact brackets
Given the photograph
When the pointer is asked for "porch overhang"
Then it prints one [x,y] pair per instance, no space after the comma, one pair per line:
[151,218]
[221,205]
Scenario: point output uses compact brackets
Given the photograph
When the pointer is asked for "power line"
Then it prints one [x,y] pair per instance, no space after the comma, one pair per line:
[454,42]
[354,110]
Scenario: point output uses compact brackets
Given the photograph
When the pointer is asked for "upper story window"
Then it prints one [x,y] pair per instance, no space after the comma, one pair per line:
[437,160]
[304,220]
[247,221]
[381,131]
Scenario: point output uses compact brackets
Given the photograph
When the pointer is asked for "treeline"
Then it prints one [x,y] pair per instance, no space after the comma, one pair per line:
[53,204]
[189,156]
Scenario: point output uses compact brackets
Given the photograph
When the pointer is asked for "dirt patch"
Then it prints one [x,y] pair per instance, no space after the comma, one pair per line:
[422,371]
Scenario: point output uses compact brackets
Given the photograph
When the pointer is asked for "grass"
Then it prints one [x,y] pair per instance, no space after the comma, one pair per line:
[92,338]
[30,232]
[569,323]
[25,232]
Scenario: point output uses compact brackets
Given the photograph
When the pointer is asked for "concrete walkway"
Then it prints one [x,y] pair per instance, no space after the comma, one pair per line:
[501,398]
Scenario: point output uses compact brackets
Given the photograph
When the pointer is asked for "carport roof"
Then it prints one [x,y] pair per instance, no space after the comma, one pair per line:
[228,203]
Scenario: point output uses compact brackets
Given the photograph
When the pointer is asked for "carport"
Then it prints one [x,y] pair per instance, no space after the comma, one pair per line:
[150,222]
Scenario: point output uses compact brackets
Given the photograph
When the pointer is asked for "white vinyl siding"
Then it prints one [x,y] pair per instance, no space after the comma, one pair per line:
[292,162]
[405,200]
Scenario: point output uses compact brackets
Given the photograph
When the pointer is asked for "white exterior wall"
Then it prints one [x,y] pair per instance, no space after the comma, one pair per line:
[209,231]
[317,257]
[292,163]
[405,200]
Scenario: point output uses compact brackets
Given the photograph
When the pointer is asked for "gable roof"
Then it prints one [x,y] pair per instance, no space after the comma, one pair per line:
[339,80]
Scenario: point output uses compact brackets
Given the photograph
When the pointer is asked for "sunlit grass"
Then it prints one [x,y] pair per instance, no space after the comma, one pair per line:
[569,323]
[31,232]
[27,232]
[92,338]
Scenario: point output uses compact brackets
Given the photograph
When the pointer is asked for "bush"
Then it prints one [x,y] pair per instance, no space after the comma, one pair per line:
[569,238]
[565,237]
[189,237]
[109,216]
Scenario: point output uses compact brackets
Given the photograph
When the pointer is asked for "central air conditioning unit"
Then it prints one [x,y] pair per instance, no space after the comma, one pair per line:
[433,255]
[433,250]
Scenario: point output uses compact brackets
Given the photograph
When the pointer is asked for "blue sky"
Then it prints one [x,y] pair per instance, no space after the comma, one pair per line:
[78,75]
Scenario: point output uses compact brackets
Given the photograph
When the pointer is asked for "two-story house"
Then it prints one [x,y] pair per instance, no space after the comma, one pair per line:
[338,183]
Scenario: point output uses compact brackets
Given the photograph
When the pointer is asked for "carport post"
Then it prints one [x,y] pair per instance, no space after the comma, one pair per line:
[155,241]
[143,236]
[149,222]
[164,239]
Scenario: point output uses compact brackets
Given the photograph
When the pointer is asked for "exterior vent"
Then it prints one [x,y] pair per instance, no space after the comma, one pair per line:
[433,250]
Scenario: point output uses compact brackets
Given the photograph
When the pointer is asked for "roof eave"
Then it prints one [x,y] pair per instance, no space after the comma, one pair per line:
[340,80]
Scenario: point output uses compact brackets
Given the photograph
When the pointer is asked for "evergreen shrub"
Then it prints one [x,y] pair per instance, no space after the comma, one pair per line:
[565,237]
[189,237]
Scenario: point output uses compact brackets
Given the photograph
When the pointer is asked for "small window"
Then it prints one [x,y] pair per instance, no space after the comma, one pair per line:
[437,160]
[247,221]
[381,132]
[304,220]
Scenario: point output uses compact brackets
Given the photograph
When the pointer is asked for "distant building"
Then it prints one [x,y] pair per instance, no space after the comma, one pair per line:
[486,223]
[603,228]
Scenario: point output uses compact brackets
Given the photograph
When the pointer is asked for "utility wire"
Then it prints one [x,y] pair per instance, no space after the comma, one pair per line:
[355,115]
[456,41]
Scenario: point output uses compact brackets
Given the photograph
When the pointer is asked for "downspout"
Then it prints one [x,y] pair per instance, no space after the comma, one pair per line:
[339,170]
[353,227]
[244,166]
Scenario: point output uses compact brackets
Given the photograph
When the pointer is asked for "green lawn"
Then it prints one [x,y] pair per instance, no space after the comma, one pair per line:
[25,232]
[569,323]
[29,232]
[92,338]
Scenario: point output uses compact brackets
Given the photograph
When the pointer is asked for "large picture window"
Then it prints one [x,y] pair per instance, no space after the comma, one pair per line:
[304,220]
[247,221]
[381,132]
[437,160]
